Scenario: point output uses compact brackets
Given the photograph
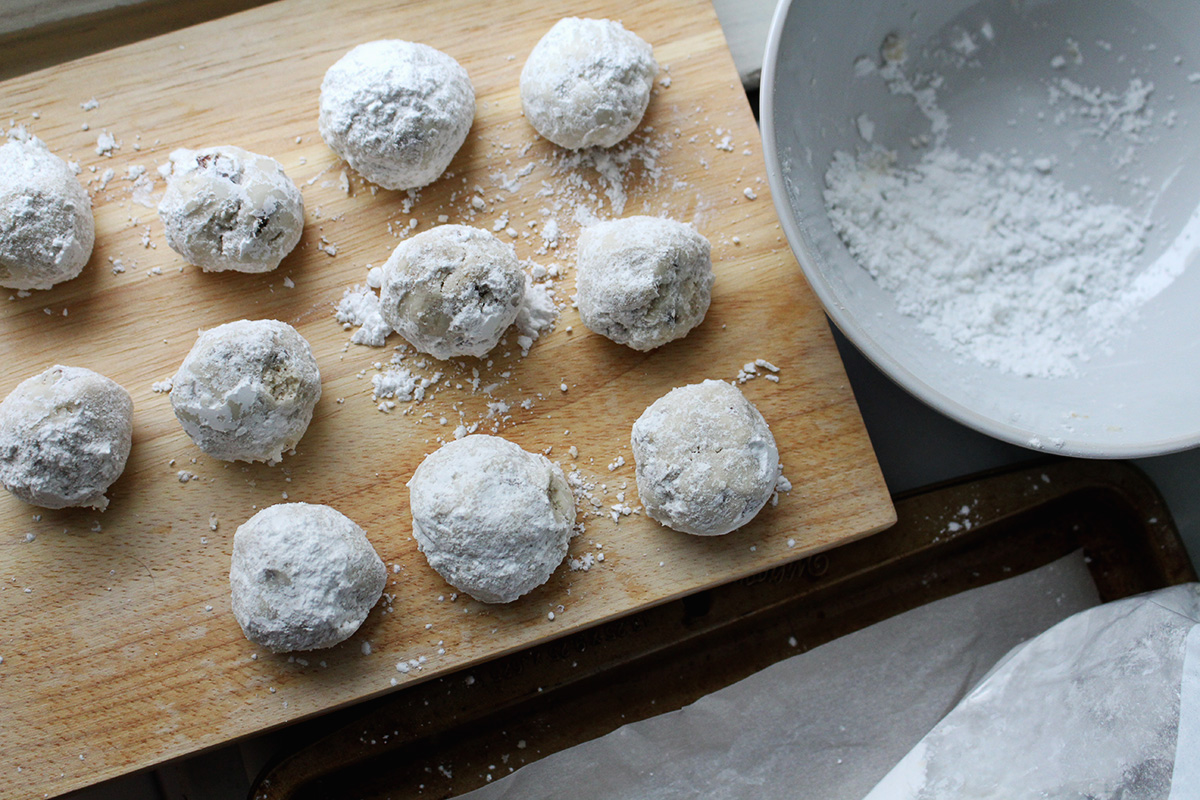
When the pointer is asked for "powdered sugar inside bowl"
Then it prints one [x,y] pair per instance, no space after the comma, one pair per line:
[999,204]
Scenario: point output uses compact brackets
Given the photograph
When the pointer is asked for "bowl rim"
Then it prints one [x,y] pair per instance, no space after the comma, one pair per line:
[879,355]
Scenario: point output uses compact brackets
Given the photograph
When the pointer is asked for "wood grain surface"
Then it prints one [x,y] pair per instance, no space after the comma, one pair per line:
[119,648]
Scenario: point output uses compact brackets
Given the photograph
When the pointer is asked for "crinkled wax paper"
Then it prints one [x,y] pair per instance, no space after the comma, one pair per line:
[1089,709]
[822,725]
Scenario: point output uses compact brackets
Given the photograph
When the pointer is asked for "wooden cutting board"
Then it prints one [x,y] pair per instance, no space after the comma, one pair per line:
[119,649]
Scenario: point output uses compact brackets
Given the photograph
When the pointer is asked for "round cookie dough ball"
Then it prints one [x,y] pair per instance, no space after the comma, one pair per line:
[706,460]
[396,111]
[587,83]
[46,225]
[643,281]
[491,518]
[452,290]
[247,389]
[303,577]
[226,208]
[64,437]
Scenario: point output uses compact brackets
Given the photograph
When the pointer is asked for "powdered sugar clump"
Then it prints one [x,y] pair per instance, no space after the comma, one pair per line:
[1127,112]
[359,307]
[759,367]
[106,143]
[537,312]
[395,382]
[550,234]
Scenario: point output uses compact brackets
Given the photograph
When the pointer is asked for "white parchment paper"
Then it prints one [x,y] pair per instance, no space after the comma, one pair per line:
[824,725]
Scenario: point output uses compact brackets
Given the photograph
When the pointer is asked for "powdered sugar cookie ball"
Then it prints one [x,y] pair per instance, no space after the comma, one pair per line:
[226,208]
[303,577]
[706,460]
[46,225]
[247,390]
[64,437]
[491,518]
[643,281]
[396,111]
[587,83]
[452,290]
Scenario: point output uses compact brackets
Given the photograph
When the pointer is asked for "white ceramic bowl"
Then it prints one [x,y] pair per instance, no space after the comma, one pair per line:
[1141,395]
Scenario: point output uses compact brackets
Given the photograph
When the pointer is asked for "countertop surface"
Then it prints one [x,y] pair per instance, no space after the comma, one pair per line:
[915,445]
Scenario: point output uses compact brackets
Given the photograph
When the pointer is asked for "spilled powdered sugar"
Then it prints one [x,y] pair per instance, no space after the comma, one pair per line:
[397,383]
[536,314]
[759,367]
[359,308]
[612,166]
